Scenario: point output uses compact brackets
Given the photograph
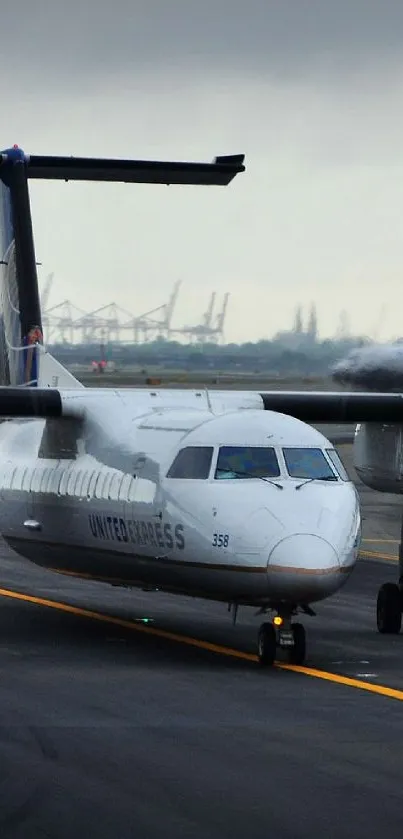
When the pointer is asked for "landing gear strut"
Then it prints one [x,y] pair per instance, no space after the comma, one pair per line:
[389,604]
[283,634]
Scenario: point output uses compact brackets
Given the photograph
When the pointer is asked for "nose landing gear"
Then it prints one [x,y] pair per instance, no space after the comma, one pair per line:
[282,634]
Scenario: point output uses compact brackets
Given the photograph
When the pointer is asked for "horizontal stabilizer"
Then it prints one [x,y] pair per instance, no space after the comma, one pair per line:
[218,173]
[336,407]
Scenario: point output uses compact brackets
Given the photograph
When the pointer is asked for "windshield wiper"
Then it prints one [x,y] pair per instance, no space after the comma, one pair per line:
[251,475]
[316,478]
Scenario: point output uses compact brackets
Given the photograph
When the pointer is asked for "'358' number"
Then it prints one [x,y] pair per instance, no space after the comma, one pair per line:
[220,540]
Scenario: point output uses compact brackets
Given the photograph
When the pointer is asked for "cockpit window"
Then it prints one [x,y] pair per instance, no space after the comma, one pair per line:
[308,463]
[338,464]
[193,462]
[246,462]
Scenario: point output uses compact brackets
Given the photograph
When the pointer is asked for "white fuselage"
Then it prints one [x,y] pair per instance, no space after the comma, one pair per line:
[94,498]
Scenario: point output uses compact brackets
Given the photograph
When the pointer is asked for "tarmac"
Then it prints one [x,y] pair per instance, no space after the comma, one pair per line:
[126,714]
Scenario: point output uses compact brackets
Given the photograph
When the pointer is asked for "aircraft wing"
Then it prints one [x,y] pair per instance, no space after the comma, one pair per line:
[308,406]
[31,402]
[336,407]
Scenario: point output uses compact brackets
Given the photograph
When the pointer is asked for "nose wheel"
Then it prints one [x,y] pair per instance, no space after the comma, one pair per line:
[285,636]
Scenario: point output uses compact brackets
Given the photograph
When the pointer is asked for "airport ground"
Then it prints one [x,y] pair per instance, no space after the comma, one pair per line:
[135,377]
[113,727]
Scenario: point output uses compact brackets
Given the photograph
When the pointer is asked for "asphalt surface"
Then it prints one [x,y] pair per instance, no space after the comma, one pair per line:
[109,731]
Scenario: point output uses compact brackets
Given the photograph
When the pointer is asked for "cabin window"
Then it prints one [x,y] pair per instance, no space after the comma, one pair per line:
[308,463]
[338,464]
[247,462]
[193,462]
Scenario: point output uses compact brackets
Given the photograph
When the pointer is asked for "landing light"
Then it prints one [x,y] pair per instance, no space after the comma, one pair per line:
[278,621]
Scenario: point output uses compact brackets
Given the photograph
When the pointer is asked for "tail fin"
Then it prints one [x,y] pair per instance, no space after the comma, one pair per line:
[21,339]
[20,325]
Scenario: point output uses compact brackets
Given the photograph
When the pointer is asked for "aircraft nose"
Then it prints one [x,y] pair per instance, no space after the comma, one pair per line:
[304,552]
[304,566]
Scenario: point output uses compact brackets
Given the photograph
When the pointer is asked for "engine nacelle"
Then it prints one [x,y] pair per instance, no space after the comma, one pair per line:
[378,456]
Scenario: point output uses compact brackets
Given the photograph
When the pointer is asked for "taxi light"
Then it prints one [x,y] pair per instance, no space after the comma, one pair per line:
[278,621]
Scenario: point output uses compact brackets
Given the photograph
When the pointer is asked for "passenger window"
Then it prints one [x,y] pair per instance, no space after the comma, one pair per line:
[193,462]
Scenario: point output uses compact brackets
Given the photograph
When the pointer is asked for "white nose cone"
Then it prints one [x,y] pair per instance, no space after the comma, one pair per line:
[304,553]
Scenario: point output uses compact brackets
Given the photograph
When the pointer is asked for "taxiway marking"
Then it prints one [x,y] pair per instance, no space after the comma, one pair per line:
[382,541]
[392,693]
[378,555]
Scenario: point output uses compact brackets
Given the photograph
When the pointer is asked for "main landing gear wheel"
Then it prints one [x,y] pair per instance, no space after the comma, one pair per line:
[389,609]
[297,652]
[267,644]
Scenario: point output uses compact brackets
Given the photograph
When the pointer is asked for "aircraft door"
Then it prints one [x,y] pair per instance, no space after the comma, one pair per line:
[141,505]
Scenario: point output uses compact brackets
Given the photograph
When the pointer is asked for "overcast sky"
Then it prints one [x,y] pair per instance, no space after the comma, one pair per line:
[310,91]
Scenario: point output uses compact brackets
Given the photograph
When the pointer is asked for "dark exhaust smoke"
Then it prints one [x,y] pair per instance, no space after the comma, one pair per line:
[376,368]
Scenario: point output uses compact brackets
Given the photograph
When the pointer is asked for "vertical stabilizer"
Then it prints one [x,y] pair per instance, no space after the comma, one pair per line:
[21,339]
[20,314]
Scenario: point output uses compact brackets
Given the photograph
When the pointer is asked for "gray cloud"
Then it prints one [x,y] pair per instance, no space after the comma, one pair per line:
[283,39]
[311,92]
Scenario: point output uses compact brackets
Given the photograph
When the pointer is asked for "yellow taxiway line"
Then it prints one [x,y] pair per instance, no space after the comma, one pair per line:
[382,541]
[379,555]
[382,690]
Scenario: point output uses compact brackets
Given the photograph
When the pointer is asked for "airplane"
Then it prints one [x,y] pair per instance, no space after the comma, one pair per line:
[230,496]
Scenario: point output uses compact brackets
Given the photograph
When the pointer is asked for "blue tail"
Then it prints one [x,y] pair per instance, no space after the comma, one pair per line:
[20,315]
